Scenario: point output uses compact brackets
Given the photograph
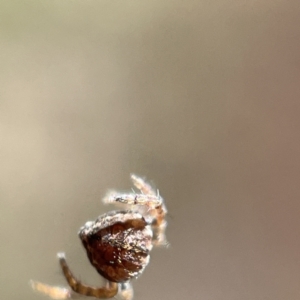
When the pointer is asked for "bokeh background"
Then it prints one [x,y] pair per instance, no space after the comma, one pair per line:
[201,97]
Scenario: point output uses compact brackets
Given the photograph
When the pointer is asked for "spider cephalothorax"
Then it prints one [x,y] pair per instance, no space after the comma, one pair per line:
[118,244]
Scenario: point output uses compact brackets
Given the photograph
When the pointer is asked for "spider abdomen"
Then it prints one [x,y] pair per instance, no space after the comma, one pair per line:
[118,244]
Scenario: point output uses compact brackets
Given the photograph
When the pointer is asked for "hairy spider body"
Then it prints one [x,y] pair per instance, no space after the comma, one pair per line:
[118,244]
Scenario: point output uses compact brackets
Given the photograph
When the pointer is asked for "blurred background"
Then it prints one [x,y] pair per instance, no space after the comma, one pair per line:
[201,97]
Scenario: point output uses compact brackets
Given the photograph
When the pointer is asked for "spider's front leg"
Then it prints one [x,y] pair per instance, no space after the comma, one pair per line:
[159,224]
[142,185]
[148,198]
[152,202]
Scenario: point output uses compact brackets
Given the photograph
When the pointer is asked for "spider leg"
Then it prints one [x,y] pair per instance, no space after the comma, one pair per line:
[145,188]
[54,292]
[148,196]
[142,185]
[126,291]
[82,289]
[151,201]
[109,198]
[159,234]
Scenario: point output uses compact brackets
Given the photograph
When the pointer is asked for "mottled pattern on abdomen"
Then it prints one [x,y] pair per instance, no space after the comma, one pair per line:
[119,251]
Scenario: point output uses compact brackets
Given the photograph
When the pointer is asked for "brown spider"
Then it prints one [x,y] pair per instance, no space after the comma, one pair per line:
[118,244]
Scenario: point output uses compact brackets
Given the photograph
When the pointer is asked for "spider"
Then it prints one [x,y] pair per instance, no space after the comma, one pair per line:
[117,243]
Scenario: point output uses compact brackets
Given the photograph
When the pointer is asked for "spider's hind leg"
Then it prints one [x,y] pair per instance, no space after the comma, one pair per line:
[54,292]
[126,291]
[103,293]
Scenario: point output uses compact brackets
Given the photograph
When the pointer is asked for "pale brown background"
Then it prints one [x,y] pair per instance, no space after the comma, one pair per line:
[202,97]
